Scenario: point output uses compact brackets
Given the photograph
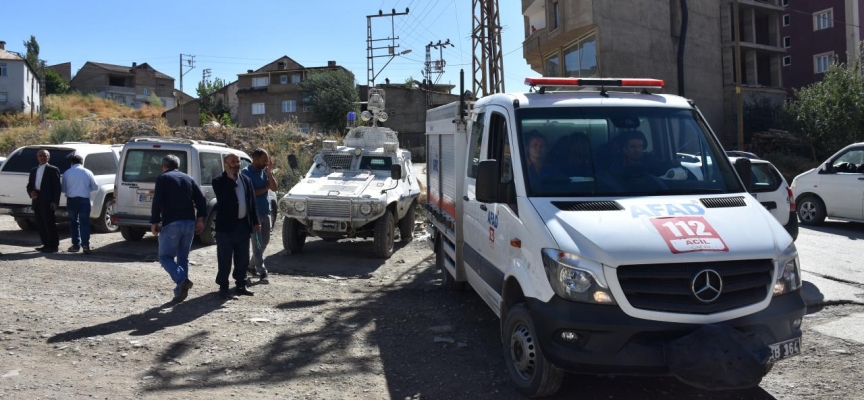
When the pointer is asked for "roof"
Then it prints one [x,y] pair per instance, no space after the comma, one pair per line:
[126,69]
[8,55]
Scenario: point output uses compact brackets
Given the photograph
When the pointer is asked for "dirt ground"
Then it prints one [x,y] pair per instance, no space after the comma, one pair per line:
[335,323]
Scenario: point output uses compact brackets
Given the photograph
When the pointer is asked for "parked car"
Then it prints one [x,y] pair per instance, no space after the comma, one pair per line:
[834,189]
[769,187]
[141,163]
[100,159]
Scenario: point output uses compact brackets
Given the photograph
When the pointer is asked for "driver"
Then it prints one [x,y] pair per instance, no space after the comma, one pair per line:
[633,156]
[538,167]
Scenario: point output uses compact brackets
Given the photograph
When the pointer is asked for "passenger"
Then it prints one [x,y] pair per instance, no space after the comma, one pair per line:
[538,167]
[578,162]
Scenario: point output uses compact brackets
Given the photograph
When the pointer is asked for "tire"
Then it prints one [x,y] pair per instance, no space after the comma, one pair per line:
[26,224]
[529,371]
[293,235]
[406,225]
[448,281]
[811,210]
[274,215]
[103,224]
[385,232]
[132,234]
[208,235]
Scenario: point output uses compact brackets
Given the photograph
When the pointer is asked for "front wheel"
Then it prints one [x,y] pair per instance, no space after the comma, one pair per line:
[385,232]
[26,224]
[406,225]
[208,235]
[293,235]
[811,210]
[529,371]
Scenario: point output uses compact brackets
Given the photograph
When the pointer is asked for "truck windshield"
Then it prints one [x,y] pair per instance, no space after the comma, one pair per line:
[620,151]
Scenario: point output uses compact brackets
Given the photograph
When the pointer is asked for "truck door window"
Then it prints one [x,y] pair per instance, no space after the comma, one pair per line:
[474,143]
[499,146]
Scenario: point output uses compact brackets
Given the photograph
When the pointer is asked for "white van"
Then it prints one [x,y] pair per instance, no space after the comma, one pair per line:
[835,189]
[141,164]
[571,216]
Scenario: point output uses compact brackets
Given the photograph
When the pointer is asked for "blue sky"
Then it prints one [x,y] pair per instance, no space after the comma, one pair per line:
[230,37]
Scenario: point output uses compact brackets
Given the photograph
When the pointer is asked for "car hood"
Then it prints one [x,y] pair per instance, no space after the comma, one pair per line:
[336,184]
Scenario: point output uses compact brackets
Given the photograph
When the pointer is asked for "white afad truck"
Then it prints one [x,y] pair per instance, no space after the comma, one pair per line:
[577,217]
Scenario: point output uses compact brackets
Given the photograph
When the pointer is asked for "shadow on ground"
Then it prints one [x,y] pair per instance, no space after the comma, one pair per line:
[851,230]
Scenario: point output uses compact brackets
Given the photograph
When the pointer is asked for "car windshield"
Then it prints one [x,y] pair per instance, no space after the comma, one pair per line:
[620,151]
[145,165]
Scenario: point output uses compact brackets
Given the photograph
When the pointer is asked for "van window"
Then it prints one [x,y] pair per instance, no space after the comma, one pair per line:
[476,140]
[101,163]
[376,163]
[25,160]
[499,146]
[145,165]
[211,167]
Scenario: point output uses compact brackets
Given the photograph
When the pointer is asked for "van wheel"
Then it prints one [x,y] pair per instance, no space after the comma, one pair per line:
[132,234]
[811,210]
[385,232]
[447,281]
[208,235]
[528,369]
[26,224]
[103,224]
[293,235]
[406,225]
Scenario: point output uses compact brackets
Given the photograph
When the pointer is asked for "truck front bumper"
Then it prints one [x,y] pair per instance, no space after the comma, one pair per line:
[612,342]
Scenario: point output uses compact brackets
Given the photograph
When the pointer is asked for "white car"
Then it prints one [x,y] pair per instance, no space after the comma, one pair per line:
[835,189]
[769,187]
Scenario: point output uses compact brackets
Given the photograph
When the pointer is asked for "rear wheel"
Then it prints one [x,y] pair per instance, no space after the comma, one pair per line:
[26,224]
[811,210]
[529,371]
[132,234]
[208,235]
[406,225]
[103,223]
[385,232]
[293,235]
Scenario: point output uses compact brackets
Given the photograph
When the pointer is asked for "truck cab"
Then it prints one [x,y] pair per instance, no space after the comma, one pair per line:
[571,215]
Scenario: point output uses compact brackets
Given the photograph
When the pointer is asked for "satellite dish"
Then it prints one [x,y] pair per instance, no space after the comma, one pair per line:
[365,116]
[381,116]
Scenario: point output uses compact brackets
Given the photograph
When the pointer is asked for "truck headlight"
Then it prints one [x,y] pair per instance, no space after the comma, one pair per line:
[789,279]
[365,209]
[573,277]
[299,205]
[285,207]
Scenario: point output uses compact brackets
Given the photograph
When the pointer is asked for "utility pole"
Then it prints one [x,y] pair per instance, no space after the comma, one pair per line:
[189,65]
[205,75]
[488,63]
[738,78]
[391,48]
[436,67]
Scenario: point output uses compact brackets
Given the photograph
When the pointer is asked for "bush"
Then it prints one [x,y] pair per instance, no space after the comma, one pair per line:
[68,131]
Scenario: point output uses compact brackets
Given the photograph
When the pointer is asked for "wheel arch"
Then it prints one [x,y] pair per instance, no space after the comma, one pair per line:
[511,295]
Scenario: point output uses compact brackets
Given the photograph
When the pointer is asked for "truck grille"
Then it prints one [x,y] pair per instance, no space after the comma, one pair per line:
[329,208]
[667,287]
[338,160]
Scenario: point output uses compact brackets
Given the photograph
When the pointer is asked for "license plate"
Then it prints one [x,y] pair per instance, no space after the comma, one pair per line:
[784,349]
[28,210]
[143,198]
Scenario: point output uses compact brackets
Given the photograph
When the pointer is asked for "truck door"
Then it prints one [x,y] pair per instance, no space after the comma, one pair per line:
[474,216]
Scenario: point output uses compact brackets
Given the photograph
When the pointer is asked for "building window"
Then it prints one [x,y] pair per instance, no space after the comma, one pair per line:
[289,106]
[785,3]
[4,97]
[145,91]
[580,59]
[786,20]
[295,78]
[554,15]
[787,42]
[283,79]
[304,128]
[2,69]
[787,61]
[260,81]
[552,67]
[257,108]
[823,19]
[821,62]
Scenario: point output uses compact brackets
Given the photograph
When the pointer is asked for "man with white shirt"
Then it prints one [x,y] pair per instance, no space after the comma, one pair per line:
[236,218]
[78,183]
[43,187]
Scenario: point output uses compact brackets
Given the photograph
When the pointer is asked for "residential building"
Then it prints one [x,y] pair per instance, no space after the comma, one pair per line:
[132,86]
[272,93]
[192,107]
[406,110]
[815,33]
[62,69]
[20,88]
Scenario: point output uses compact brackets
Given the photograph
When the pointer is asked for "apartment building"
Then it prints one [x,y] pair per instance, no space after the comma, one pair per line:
[131,86]
[815,33]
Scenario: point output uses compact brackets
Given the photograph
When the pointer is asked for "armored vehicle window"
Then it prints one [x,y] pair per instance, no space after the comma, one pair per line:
[145,165]
[101,163]
[25,160]
[376,163]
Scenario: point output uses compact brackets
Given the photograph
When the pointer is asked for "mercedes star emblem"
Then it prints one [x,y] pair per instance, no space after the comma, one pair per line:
[707,285]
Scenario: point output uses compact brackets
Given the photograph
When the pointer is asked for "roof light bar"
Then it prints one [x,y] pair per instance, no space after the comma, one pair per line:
[606,82]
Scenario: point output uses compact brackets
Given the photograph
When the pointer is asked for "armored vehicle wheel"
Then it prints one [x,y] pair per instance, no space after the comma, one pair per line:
[385,233]
[132,234]
[26,224]
[529,371]
[208,235]
[406,225]
[293,235]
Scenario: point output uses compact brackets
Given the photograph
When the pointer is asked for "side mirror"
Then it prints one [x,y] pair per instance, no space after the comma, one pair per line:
[742,167]
[488,176]
[396,172]
[292,161]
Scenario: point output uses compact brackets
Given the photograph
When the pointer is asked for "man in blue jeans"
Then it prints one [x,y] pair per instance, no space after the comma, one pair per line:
[259,172]
[78,183]
[175,200]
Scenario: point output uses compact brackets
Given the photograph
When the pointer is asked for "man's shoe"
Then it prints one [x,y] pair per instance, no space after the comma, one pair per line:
[49,250]
[87,250]
[184,291]
[74,249]
[242,291]
[40,248]
[251,271]
[264,280]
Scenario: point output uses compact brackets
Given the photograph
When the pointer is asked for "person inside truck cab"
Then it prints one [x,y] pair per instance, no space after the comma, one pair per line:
[538,167]
[633,157]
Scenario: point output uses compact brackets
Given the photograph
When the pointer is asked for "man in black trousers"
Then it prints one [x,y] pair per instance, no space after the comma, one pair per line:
[236,217]
[44,190]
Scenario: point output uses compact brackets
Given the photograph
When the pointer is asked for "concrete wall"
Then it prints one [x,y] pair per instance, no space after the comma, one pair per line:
[21,86]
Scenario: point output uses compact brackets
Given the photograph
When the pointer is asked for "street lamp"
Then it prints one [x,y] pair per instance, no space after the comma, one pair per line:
[402,53]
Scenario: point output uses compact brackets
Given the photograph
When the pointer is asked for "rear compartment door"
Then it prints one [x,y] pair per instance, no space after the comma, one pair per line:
[139,169]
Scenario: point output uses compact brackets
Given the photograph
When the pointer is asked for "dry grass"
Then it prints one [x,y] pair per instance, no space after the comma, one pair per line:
[75,106]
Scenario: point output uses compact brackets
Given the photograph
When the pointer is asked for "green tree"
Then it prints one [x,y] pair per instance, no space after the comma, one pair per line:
[32,55]
[332,95]
[55,84]
[830,114]
[208,87]
[154,100]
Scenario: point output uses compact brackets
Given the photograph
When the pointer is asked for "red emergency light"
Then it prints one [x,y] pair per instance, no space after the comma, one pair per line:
[605,82]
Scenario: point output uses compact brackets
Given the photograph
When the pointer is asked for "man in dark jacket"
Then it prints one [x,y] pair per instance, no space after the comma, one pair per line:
[175,199]
[44,190]
[236,218]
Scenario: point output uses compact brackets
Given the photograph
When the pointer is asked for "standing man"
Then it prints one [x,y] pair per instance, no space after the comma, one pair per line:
[77,184]
[237,217]
[175,200]
[44,190]
[262,182]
